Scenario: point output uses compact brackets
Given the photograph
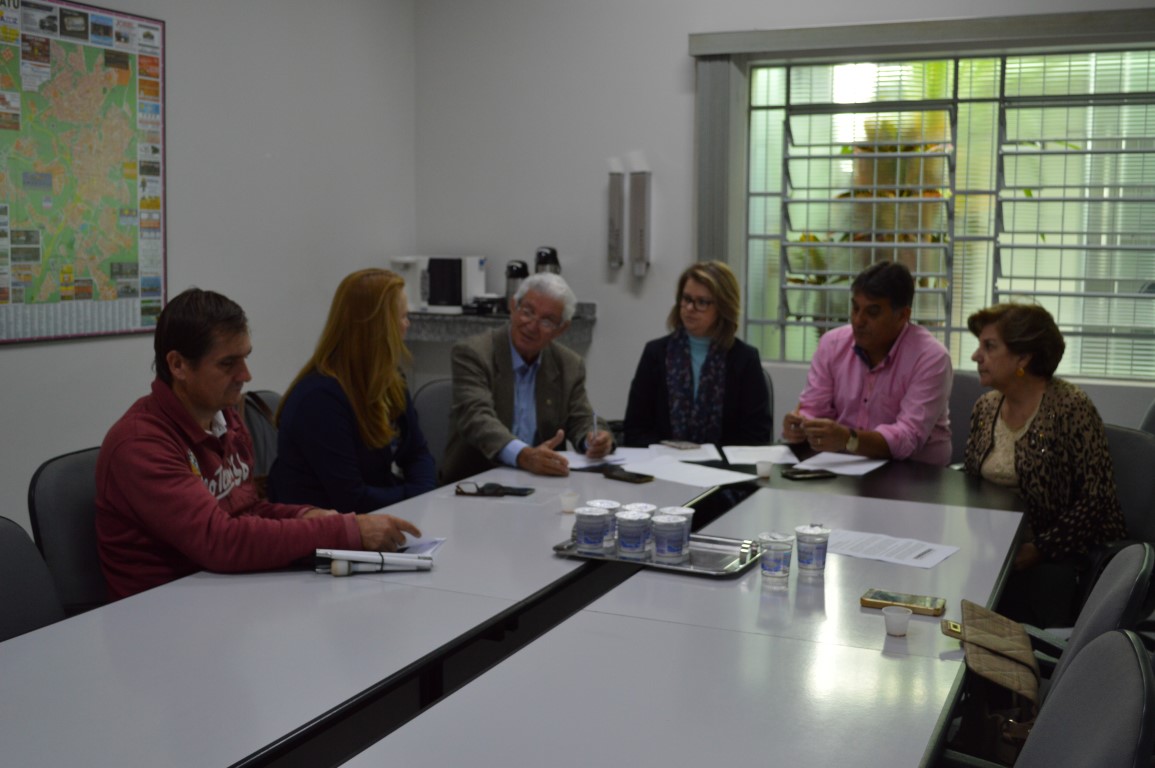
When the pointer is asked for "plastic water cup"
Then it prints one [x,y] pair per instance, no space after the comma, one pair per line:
[687,515]
[777,549]
[569,501]
[611,507]
[633,534]
[589,530]
[671,545]
[812,542]
[651,510]
[763,468]
[897,619]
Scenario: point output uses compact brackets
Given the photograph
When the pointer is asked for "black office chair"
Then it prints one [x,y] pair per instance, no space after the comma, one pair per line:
[964,393]
[62,507]
[1099,714]
[258,408]
[1116,602]
[433,402]
[770,406]
[1133,457]
[1148,423]
[28,598]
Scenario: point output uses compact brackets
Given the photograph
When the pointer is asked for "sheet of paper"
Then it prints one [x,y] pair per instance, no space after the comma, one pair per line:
[701,453]
[668,468]
[876,546]
[422,545]
[841,463]
[752,454]
[580,460]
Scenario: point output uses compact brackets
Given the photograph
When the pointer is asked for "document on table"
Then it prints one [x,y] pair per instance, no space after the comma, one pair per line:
[701,453]
[876,546]
[581,461]
[698,475]
[841,463]
[752,454]
[422,545]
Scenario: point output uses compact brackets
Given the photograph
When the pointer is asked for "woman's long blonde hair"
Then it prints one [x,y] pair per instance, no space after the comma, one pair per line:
[363,349]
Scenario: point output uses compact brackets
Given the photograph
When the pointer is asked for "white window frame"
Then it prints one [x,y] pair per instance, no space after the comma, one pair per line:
[723,60]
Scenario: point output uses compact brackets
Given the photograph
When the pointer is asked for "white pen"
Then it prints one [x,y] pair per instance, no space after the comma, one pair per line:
[348,568]
[360,556]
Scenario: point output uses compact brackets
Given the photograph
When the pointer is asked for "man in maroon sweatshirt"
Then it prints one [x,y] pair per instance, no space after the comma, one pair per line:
[175,491]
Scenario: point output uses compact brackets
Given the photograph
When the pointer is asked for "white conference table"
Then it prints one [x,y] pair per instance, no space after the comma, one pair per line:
[618,690]
[211,669]
[672,669]
[502,547]
[826,609]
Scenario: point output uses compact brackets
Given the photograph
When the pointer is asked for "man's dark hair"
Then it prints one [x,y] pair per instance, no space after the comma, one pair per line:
[190,323]
[886,280]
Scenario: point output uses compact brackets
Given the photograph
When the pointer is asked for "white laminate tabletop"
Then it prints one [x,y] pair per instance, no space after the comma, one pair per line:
[826,609]
[211,668]
[617,690]
[503,547]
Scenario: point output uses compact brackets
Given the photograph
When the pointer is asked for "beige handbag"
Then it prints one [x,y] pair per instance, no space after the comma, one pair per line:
[1001,698]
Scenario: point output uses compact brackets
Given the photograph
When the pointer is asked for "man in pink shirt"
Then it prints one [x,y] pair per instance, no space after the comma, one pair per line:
[175,491]
[878,387]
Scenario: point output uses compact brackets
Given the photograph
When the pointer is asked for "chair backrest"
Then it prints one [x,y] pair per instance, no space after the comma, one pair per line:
[1100,712]
[28,598]
[433,402]
[1133,456]
[965,391]
[770,407]
[1115,603]
[1148,423]
[62,507]
[258,409]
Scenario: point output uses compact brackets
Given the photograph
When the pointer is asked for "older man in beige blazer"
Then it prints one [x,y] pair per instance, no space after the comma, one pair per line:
[518,394]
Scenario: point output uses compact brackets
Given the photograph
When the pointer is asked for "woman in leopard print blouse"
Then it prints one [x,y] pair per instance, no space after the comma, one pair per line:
[1042,435]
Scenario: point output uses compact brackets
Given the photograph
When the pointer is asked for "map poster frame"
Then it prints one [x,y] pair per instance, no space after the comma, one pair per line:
[82,171]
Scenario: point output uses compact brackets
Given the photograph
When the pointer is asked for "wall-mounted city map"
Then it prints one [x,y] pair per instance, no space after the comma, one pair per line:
[82,185]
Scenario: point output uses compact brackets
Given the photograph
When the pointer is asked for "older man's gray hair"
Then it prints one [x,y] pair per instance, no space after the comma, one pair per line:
[553,286]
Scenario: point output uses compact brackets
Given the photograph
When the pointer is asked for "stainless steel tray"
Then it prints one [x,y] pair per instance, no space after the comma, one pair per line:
[712,556]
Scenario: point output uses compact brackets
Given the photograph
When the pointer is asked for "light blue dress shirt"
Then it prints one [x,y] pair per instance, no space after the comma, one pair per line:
[524,407]
[699,349]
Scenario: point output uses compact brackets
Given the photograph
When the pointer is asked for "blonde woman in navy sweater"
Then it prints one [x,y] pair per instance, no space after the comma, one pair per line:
[347,418]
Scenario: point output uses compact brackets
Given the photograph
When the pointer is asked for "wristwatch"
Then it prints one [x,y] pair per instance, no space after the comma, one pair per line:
[852,443]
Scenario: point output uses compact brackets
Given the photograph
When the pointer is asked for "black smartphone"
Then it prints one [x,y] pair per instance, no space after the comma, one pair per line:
[511,490]
[616,472]
[794,473]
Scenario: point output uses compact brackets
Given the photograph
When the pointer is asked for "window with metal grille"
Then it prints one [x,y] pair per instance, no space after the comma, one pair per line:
[1012,177]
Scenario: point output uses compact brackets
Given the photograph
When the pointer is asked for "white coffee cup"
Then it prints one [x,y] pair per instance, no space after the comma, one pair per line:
[897,618]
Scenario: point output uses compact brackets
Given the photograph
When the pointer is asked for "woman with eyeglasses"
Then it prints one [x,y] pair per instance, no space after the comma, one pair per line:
[700,384]
[347,418]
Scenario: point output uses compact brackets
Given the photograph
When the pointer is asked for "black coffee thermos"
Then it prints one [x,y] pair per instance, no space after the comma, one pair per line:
[546,260]
[515,272]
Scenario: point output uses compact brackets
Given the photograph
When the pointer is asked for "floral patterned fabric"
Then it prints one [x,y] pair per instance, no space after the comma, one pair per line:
[697,419]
